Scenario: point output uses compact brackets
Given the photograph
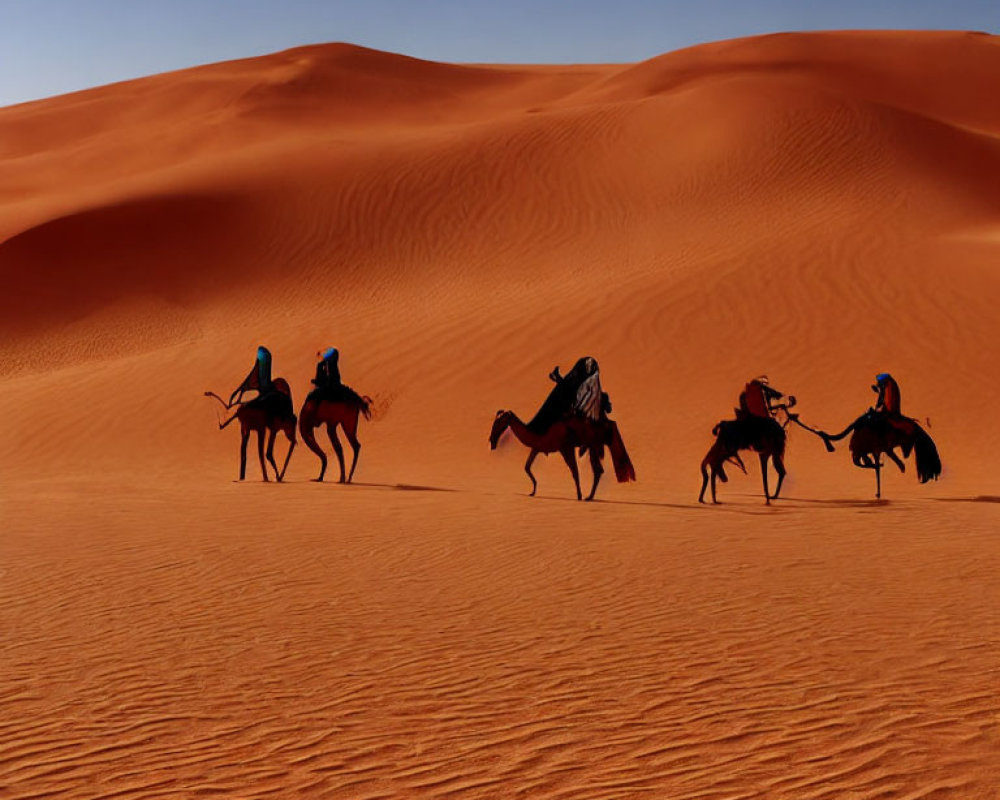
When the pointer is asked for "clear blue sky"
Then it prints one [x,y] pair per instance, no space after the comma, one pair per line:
[53,46]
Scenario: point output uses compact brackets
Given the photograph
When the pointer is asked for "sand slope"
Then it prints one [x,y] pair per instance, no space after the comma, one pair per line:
[819,207]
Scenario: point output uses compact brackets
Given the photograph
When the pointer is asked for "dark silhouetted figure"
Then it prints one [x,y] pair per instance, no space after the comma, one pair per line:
[889,399]
[258,379]
[259,419]
[889,402]
[273,396]
[578,396]
[271,411]
[578,392]
[327,380]
[759,400]
[763,435]
[562,436]
[334,404]
[574,415]
[883,428]
[755,428]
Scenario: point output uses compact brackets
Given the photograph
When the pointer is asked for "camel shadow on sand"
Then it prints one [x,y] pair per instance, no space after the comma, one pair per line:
[746,509]
[599,502]
[403,487]
[399,487]
[841,503]
[982,498]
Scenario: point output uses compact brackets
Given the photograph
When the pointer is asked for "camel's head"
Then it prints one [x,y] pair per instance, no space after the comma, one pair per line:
[500,423]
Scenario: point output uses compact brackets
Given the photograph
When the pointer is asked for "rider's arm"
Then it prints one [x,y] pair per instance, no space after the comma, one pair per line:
[880,402]
[771,394]
[318,380]
[249,382]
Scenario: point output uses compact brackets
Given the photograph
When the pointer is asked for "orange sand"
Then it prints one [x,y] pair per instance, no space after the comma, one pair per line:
[819,207]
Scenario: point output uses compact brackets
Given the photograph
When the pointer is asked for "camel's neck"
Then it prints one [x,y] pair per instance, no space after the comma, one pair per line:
[523,434]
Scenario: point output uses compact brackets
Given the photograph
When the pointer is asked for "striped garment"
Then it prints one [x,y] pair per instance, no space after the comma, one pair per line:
[588,397]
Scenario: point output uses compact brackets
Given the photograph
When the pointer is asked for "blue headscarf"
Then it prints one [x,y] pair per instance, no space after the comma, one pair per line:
[329,353]
[882,377]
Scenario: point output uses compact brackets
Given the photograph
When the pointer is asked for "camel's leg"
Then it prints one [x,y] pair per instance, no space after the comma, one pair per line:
[569,456]
[351,432]
[864,461]
[763,475]
[878,478]
[260,454]
[331,431]
[270,452]
[597,468]
[779,467]
[288,457]
[309,437]
[708,463]
[527,468]
[244,438]
[896,460]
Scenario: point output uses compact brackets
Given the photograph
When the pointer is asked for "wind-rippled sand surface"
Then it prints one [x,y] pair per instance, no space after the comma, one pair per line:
[817,207]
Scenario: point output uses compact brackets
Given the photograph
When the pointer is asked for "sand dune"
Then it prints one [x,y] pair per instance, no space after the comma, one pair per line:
[818,207]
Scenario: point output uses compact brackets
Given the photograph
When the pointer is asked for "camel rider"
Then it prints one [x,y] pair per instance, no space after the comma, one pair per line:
[889,402]
[327,380]
[576,392]
[259,379]
[888,394]
[758,399]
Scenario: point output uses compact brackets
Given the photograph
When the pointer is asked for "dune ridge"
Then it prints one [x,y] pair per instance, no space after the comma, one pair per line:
[817,207]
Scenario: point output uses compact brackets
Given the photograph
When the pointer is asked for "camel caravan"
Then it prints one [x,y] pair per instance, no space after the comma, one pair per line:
[330,403]
[575,420]
[877,432]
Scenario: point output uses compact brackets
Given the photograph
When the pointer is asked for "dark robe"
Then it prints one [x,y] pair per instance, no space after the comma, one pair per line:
[755,399]
[327,381]
[889,399]
[259,380]
[563,398]
[889,404]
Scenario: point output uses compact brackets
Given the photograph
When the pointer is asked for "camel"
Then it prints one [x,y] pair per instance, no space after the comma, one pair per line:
[563,437]
[874,435]
[764,436]
[343,411]
[257,418]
